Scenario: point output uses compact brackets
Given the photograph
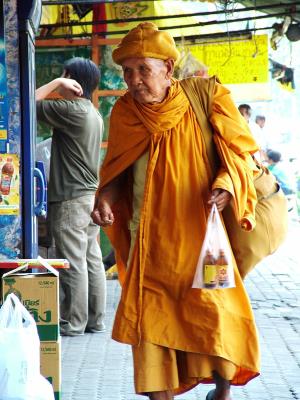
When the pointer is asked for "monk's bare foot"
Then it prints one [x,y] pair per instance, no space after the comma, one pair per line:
[222,391]
[222,395]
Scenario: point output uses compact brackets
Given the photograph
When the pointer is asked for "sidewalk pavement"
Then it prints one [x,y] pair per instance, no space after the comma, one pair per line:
[94,367]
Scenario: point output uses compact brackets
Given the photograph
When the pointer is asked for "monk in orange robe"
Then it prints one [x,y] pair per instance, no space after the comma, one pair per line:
[156,191]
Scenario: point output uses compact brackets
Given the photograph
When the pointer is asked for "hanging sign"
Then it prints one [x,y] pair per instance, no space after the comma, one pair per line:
[9,184]
[144,9]
[235,61]
[123,11]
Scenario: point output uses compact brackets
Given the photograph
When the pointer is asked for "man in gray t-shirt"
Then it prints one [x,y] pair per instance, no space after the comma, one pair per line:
[74,165]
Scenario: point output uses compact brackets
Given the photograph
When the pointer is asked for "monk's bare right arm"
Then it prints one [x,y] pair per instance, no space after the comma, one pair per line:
[104,200]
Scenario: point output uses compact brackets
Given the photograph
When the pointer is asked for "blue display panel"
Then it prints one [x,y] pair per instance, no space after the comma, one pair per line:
[10,221]
[3,86]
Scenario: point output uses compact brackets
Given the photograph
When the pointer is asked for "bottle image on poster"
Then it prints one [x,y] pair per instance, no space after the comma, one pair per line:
[9,184]
[7,172]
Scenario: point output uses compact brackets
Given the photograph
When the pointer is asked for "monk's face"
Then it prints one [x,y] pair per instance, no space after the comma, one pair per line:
[148,79]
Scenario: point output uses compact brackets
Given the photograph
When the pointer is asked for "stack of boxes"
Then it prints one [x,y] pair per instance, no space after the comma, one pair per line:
[39,293]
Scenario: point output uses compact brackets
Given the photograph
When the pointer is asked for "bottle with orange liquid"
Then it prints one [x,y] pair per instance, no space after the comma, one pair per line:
[222,268]
[210,272]
[6,176]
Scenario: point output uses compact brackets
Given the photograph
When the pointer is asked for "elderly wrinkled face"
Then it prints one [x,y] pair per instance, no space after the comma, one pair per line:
[148,79]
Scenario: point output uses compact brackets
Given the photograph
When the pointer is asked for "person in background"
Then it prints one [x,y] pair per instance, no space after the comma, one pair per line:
[276,166]
[74,166]
[154,199]
[260,120]
[264,136]
[246,112]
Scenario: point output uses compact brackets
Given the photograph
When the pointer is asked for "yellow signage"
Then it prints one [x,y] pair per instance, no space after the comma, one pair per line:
[235,61]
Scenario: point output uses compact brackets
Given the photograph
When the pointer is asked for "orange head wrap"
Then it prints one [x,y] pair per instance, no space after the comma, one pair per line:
[146,40]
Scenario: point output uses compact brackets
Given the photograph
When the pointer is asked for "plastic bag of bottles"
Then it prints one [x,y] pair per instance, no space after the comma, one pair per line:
[214,268]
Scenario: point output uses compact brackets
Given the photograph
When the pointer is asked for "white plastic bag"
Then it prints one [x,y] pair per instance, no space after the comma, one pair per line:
[20,377]
[43,153]
[214,268]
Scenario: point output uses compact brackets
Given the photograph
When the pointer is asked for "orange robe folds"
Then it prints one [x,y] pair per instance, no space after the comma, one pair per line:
[157,303]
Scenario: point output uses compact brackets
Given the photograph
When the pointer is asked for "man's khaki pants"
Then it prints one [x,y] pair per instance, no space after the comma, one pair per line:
[83,286]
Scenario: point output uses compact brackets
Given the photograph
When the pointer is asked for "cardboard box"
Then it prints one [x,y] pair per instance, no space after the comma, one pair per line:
[51,365]
[39,294]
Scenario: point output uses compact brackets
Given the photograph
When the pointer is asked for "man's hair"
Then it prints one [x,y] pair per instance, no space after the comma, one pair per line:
[85,72]
[244,107]
[274,155]
[260,118]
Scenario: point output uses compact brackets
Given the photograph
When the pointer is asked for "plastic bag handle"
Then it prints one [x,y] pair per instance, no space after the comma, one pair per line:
[216,214]
[211,218]
[13,314]
[9,316]
[27,318]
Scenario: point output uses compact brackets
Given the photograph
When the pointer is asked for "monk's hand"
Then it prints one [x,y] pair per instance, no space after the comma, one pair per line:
[102,214]
[220,197]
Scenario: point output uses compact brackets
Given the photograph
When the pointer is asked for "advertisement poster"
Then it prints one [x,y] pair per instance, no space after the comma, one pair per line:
[9,184]
[3,86]
[238,61]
